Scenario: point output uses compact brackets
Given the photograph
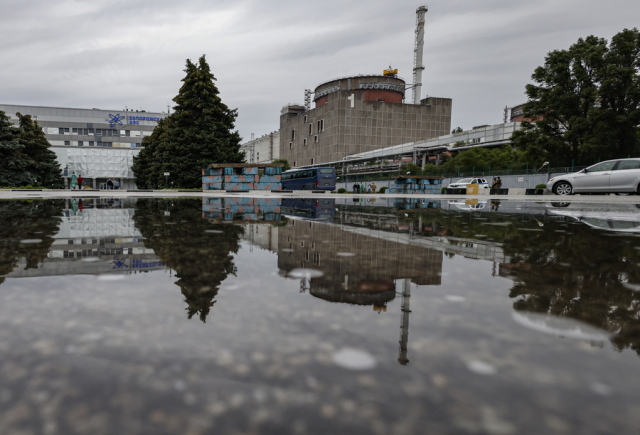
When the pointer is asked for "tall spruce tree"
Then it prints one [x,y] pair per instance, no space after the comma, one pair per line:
[198,133]
[42,162]
[13,167]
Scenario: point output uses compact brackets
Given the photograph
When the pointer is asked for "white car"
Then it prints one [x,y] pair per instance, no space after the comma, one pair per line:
[462,184]
[611,176]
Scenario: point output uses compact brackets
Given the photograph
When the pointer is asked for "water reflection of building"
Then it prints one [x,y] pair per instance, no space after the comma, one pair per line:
[96,229]
[357,268]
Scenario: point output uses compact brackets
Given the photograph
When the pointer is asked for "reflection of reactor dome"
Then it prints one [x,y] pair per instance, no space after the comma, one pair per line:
[373,87]
[367,292]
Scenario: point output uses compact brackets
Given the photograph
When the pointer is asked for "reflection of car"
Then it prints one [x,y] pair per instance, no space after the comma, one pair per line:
[463,183]
[468,204]
[611,217]
[611,176]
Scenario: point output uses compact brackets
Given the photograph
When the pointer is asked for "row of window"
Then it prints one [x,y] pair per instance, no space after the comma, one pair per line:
[107,132]
[91,143]
[320,129]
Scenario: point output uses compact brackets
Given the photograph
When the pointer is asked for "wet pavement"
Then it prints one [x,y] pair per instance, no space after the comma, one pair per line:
[312,315]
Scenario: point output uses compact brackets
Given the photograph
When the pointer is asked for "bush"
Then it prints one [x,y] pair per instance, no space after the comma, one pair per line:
[541,186]
[342,190]
[383,189]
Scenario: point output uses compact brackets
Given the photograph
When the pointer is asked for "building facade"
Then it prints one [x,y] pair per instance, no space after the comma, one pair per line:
[264,149]
[97,144]
[358,114]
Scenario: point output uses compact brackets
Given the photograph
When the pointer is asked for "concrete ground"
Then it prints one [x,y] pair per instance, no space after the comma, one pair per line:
[31,194]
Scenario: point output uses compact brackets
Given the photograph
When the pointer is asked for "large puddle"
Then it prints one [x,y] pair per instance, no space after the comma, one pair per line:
[318,316]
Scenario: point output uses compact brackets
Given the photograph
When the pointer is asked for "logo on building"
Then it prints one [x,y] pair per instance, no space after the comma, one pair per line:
[115,119]
[120,263]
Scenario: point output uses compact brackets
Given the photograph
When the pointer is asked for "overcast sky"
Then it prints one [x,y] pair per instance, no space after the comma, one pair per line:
[265,53]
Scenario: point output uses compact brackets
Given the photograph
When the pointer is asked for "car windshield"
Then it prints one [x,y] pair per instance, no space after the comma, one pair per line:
[465,180]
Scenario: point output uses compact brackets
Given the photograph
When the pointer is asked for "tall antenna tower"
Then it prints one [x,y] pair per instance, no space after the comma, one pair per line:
[418,67]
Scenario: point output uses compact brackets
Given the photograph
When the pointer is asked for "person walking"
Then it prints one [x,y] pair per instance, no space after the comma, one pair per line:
[356,188]
[499,183]
[109,184]
[116,184]
[373,187]
[80,181]
[74,181]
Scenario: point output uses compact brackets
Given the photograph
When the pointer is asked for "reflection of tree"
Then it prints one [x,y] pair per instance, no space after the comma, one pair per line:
[24,220]
[571,271]
[582,275]
[177,233]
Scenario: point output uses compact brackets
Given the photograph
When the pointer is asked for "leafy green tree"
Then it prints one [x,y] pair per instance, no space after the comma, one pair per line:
[198,133]
[585,102]
[285,162]
[42,162]
[480,157]
[14,168]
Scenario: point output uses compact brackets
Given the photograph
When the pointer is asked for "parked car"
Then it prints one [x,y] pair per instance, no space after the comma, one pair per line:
[611,176]
[461,184]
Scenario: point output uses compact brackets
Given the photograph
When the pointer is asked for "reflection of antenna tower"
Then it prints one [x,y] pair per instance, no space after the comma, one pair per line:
[404,327]
[307,99]
[305,284]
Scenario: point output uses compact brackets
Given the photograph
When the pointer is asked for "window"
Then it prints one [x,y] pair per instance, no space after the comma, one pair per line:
[312,161]
[315,138]
[90,143]
[293,135]
[304,141]
[295,163]
[290,145]
[601,167]
[67,142]
[310,129]
[320,125]
[628,164]
[80,143]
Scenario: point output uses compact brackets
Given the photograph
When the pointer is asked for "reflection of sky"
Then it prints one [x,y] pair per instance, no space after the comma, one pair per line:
[268,354]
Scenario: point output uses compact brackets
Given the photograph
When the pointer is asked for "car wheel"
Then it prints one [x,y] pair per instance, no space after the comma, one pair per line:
[562,188]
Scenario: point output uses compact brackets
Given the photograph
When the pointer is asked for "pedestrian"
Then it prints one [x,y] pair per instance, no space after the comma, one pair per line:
[373,187]
[109,184]
[80,181]
[356,188]
[369,188]
[494,183]
[499,183]
[116,184]
[74,181]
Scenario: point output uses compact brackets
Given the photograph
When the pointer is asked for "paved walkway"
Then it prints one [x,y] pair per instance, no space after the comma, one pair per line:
[23,193]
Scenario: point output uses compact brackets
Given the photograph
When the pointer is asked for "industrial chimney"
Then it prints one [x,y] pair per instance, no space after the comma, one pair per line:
[417,55]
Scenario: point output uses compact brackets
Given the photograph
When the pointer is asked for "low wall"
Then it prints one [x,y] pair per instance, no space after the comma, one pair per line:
[234,177]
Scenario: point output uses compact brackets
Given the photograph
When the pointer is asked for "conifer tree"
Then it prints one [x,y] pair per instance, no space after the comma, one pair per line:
[198,133]
[42,162]
[13,167]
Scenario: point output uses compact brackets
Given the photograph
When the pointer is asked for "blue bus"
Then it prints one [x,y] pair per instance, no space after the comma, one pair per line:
[309,179]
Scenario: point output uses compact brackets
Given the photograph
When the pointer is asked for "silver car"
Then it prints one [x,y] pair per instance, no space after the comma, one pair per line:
[463,183]
[611,176]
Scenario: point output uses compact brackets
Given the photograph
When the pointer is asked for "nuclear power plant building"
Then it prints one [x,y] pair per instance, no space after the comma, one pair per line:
[358,114]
